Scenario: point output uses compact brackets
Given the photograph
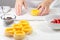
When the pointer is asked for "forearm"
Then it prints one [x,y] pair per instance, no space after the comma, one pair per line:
[48,2]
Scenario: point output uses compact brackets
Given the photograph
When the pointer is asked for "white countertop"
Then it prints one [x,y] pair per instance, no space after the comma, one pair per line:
[41,30]
[26,15]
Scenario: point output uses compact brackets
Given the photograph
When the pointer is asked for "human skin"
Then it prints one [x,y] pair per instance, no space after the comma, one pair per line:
[18,6]
[43,7]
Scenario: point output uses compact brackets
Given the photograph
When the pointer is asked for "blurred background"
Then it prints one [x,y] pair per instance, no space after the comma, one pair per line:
[30,3]
[7,3]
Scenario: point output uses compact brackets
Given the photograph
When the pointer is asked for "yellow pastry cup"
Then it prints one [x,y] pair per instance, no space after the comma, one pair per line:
[19,35]
[23,22]
[35,12]
[17,26]
[14,25]
[17,29]
[9,32]
[27,30]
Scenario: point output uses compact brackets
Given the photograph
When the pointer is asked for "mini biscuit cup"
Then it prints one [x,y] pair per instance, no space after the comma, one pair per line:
[27,30]
[17,26]
[25,24]
[22,21]
[35,12]
[17,29]
[9,32]
[14,25]
[19,35]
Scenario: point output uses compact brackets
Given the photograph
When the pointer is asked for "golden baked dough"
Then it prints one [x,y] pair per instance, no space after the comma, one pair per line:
[14,25]
[9,32]
[19,30]
[23,22]
[27,30]
[17,27]
[19,35]
[35,12]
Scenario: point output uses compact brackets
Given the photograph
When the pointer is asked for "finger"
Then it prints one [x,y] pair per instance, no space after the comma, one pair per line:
[45,12]
[25,4]
[16,8]
[19,9]
[41,10]
[39,6]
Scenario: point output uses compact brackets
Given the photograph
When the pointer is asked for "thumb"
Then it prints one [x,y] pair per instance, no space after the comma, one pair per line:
[25,4]
[39,6]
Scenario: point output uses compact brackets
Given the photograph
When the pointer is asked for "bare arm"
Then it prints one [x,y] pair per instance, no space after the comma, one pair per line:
[48,2]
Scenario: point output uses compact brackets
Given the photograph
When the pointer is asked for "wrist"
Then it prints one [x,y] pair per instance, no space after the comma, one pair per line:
[47,2]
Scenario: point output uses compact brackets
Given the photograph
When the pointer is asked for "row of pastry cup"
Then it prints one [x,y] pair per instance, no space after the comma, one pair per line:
[19,34]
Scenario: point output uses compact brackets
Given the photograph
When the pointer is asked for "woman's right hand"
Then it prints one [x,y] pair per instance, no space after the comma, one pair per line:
[44,8]
[18,6]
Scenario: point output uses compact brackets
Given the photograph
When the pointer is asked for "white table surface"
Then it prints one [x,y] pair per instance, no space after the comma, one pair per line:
[41,30]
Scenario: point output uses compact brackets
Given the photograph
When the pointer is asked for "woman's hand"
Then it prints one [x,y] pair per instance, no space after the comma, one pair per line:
[18,6]
[44,8]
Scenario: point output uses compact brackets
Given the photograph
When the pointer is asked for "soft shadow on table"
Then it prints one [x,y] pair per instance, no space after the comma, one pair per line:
[57,30]
[47,30]
[43,27]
